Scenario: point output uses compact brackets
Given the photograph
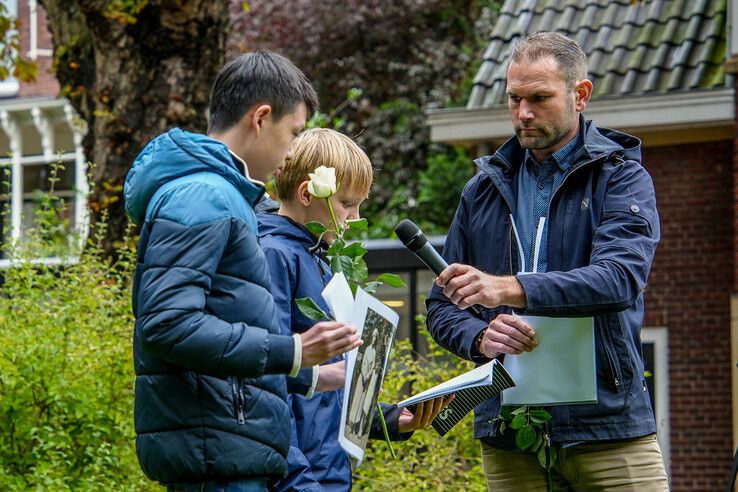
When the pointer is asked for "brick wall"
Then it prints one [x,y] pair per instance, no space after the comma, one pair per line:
[689,293]
[46,83]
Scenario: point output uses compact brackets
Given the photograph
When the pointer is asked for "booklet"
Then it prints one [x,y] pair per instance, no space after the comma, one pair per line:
[561,370]
[366,365]
[470,388]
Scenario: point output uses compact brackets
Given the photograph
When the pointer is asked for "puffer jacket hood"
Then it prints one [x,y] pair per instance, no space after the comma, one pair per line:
[271,224]
[176,154]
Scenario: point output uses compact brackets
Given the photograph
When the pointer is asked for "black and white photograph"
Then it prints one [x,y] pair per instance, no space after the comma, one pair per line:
[365,370]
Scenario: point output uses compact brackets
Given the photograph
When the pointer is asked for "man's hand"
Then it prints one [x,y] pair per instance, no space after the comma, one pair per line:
[466,286]
[331,376]
[424,414]
[326,340]
[507,334]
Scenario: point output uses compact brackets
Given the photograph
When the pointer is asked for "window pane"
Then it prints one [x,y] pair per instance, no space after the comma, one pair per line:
[5,218]
[38,177]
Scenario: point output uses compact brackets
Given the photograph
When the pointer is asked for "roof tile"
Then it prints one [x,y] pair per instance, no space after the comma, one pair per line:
[633,47]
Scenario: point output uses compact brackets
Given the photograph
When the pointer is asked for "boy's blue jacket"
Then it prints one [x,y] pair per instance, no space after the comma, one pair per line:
[316,461]
[209,359]
[603,228]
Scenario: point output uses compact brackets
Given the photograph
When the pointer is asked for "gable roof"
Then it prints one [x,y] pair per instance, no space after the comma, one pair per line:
[634,47]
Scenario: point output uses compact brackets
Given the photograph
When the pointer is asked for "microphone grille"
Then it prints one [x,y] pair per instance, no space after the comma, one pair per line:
[406,230]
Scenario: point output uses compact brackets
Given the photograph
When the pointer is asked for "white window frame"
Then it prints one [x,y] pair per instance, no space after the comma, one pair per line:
[34,51]
[41,114]
[659,337]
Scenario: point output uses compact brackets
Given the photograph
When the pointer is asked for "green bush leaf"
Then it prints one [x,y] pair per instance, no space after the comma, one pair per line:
[309,308]
[519,421]
[391,279]
[316,228]
[525,437]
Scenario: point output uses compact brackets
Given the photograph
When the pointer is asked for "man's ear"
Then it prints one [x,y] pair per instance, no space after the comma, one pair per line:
[303,195]
[258,116]
[582,92]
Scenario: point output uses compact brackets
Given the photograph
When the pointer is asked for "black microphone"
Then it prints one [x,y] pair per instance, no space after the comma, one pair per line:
[414,240]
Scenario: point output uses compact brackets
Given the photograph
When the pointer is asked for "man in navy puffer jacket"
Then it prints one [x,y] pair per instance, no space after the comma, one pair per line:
[584,210]
[210,407]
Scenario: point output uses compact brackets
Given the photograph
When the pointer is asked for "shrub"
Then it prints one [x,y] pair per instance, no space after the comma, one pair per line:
[66,373]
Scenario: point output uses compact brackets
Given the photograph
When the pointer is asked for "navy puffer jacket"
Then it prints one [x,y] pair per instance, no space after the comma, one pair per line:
[209,359]
[603,228]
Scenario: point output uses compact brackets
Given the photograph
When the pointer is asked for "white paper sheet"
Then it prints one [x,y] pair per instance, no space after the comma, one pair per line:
[561,370]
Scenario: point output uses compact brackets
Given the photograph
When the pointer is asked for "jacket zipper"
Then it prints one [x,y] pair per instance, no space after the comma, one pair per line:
[238,397]
[611,362]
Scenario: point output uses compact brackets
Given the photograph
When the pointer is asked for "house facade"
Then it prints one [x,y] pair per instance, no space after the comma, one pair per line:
[663,71]
[39,131]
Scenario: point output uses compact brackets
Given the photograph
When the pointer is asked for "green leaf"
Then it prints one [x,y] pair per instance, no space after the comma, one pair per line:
[391,279]
[519,410]
[519,421]
[371,287]
[338,244]
[525,437]
[316,228]
[506,413]
[358,224]
[539,442]
[539,416]
[542,457]
[309,308]
[361,272]
[353,250]
[340,263]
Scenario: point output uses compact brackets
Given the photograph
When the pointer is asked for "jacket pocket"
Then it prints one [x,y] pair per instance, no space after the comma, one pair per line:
[238,402]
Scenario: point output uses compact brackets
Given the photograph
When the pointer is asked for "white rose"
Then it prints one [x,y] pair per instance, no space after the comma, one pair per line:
[322,182]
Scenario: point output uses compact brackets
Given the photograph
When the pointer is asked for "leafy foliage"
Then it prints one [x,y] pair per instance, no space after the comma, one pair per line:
[66,374]
[12,61]
[399,58]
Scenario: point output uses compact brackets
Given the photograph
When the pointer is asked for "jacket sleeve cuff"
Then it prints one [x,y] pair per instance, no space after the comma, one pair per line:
[283,351]
[296,355]
[311,390]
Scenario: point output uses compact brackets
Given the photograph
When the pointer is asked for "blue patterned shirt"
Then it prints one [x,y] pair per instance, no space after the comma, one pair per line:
[536,184]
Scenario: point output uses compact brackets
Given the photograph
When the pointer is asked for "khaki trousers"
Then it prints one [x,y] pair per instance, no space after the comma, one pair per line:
[623,466]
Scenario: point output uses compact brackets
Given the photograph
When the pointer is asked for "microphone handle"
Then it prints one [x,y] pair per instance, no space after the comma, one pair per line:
[437,264]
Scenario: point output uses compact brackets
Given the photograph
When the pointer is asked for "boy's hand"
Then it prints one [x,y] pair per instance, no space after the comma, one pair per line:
[425,413]
[331,376]
[326,340]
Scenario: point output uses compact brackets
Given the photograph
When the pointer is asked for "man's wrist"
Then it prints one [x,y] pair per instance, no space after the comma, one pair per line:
[514,293]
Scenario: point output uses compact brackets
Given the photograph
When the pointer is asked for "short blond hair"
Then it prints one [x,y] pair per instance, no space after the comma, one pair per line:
[325,147]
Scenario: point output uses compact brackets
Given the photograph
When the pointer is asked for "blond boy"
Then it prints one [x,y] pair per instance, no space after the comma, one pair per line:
[316,460]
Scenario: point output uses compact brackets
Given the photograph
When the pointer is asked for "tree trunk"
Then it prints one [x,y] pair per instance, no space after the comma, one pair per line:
[132,75]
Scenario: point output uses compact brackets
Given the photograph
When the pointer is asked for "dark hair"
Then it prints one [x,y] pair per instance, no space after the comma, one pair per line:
[259,77]
[569,56]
